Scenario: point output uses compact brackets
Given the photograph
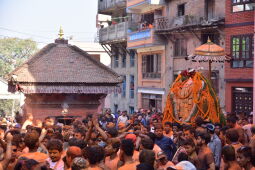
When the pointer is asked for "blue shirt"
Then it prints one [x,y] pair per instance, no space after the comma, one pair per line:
[215,146]
[167,146]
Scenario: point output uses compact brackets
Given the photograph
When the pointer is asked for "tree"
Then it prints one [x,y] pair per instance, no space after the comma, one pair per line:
[13,52]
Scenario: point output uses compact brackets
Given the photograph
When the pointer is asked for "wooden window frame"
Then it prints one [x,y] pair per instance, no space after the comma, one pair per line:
[131,87]
[178,47]
[150,69]
[240,52]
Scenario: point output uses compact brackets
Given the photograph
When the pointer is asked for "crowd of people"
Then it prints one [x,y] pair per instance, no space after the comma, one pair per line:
[123,141]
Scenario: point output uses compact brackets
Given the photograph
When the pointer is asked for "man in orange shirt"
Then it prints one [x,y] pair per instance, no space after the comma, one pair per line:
[126,155]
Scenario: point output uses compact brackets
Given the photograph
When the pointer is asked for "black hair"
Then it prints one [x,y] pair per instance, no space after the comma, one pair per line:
[182,157]
[94,154]
[228,152]
[81,131]
[205,136]
[168,123]
[144,166]
[77,142]
[199,121]
[113,132]
[189,142]
[232,135]
[128,147]
[147,143]
[147,156]
[152,136]
[246,151]
[55,144]
[190,129]
[218,124]
[232,119]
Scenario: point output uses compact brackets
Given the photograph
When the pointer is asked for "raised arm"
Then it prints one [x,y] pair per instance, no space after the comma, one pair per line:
[8,154]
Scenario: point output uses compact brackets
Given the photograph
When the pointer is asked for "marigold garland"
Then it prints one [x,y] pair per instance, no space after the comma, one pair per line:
[205,101]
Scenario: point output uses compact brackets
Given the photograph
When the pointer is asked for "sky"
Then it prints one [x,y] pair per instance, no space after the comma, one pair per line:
[40,20]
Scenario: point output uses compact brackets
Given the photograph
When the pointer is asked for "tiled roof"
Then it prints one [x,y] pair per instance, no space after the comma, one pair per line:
[64,63]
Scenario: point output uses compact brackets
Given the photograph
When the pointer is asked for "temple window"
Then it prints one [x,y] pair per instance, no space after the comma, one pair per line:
[180,47]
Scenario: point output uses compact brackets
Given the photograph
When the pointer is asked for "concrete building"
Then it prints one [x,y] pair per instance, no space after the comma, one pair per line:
[239,31]
[165,32]
[113,38]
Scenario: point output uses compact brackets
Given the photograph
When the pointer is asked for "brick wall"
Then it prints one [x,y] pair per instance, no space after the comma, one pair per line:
[237,17]
[230,30]
[42,106]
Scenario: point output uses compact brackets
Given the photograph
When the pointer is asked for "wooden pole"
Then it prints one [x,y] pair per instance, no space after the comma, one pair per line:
[210,70]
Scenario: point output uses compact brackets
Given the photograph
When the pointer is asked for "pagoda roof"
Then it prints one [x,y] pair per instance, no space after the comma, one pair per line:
[64,63]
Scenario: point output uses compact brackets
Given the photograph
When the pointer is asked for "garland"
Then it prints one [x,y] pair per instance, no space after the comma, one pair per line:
[204,99]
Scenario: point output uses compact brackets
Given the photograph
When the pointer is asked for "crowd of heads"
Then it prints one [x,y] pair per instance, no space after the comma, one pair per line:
[142,140]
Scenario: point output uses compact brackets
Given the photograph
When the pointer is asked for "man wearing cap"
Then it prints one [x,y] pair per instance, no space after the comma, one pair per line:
[214,145]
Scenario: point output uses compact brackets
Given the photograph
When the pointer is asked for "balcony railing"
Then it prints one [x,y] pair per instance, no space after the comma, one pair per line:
[144,34]
[116,32]
[166,24]
[104,5]
[151,75]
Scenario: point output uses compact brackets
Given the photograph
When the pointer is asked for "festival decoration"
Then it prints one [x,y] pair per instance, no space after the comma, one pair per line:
[191,95]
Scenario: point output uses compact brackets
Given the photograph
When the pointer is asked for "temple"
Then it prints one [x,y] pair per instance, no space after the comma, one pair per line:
[63,79]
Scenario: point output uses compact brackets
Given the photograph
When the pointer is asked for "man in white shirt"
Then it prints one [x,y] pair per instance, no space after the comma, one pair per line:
[123,118]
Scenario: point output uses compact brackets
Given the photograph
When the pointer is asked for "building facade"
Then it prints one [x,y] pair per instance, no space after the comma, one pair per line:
[164,33]
[239,32]
[113,38]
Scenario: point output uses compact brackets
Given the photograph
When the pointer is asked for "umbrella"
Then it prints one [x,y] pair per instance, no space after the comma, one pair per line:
[209,52]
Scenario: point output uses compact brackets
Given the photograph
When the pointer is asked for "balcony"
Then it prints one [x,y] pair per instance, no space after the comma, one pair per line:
[165,24]
[113,33]
[143,6]
[143,38]
[108,6]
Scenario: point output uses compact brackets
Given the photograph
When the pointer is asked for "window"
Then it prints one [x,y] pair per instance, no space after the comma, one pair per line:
[242,100]
[123,92]
[116,60]
[181,10]
[150,101]
[132,87]
[132,58]
[124,58]
[115,108]
[180,47]
[131,109]
[151,66]
[242,51]
[242,5]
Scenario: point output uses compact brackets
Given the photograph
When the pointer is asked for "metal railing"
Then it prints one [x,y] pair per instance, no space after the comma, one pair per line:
[114,32]
[108,4]
[165,23]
